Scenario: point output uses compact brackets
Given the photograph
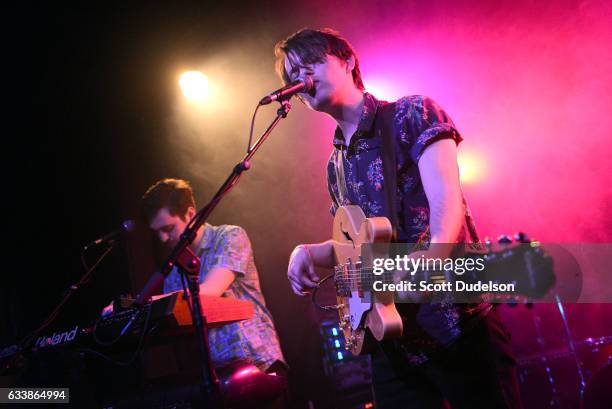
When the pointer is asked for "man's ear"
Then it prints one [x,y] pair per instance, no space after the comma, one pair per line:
[190,213]
[350,63]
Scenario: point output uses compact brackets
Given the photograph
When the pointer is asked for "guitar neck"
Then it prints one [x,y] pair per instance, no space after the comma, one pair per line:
[364,277]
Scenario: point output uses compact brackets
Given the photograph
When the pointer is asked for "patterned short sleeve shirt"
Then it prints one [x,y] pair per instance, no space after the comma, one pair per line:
[418,123]
[253,340]
[355,177]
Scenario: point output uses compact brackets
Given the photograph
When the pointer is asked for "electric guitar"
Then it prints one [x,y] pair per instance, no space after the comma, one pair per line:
[365,314]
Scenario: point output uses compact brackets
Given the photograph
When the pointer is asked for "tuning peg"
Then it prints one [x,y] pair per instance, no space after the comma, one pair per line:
[521,237]
[488,242]
[504,239]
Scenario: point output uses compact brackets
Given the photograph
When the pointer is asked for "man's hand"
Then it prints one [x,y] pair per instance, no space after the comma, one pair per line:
[301,271]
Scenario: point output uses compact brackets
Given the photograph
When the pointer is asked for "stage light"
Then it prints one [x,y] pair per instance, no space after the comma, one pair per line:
[381,90]
[194,86]
[471,167]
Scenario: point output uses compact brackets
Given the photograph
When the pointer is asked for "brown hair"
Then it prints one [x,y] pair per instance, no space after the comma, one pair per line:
[312,46]
[175,194]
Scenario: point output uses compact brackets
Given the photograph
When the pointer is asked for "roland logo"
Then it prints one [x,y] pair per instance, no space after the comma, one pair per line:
[57,338]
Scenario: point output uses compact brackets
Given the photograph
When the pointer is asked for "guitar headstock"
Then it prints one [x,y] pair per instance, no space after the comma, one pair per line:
[521,260]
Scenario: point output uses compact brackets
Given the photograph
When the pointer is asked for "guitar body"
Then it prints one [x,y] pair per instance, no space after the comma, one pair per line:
[363,313]
[366,315]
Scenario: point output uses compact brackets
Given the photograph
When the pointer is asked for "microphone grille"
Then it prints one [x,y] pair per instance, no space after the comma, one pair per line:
[308,83]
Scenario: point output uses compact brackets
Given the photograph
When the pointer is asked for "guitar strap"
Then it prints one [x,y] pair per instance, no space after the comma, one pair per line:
[340,178]
[383,128]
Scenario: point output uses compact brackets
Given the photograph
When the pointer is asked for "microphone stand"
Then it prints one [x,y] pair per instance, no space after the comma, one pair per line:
[188,264]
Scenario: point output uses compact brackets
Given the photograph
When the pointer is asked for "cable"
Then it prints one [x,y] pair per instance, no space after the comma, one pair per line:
[249,147]
[185,294]
[331,307]
[53,315]
[99,341]
[83,280]
[143,336]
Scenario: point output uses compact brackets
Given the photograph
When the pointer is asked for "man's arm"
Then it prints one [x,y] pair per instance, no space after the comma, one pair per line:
[440,177]
[233,260]
[217,281]
[302,262]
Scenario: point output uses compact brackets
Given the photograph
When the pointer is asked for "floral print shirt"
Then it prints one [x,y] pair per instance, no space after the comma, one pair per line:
[419,122]
[252,340]
[355,176]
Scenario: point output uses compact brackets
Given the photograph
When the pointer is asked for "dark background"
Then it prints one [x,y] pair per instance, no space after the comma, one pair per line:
[92,136]
[91,122]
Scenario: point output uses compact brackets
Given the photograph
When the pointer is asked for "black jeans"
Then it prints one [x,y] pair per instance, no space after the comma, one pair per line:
[476,371]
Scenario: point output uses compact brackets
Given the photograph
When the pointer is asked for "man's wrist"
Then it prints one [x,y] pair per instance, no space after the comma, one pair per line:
[306,249]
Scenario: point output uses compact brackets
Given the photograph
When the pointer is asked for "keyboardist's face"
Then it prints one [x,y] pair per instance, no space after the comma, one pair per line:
[168,228]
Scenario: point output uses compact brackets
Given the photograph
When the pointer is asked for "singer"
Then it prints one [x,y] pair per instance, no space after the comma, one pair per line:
[449,352]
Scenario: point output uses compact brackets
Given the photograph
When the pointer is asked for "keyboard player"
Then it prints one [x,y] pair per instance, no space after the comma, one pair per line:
[227,269]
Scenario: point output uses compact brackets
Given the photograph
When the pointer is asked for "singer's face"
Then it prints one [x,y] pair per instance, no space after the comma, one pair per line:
[169,228]
[330,79]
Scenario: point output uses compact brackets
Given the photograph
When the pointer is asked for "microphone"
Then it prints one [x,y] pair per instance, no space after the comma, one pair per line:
[126,226]
[305,84]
